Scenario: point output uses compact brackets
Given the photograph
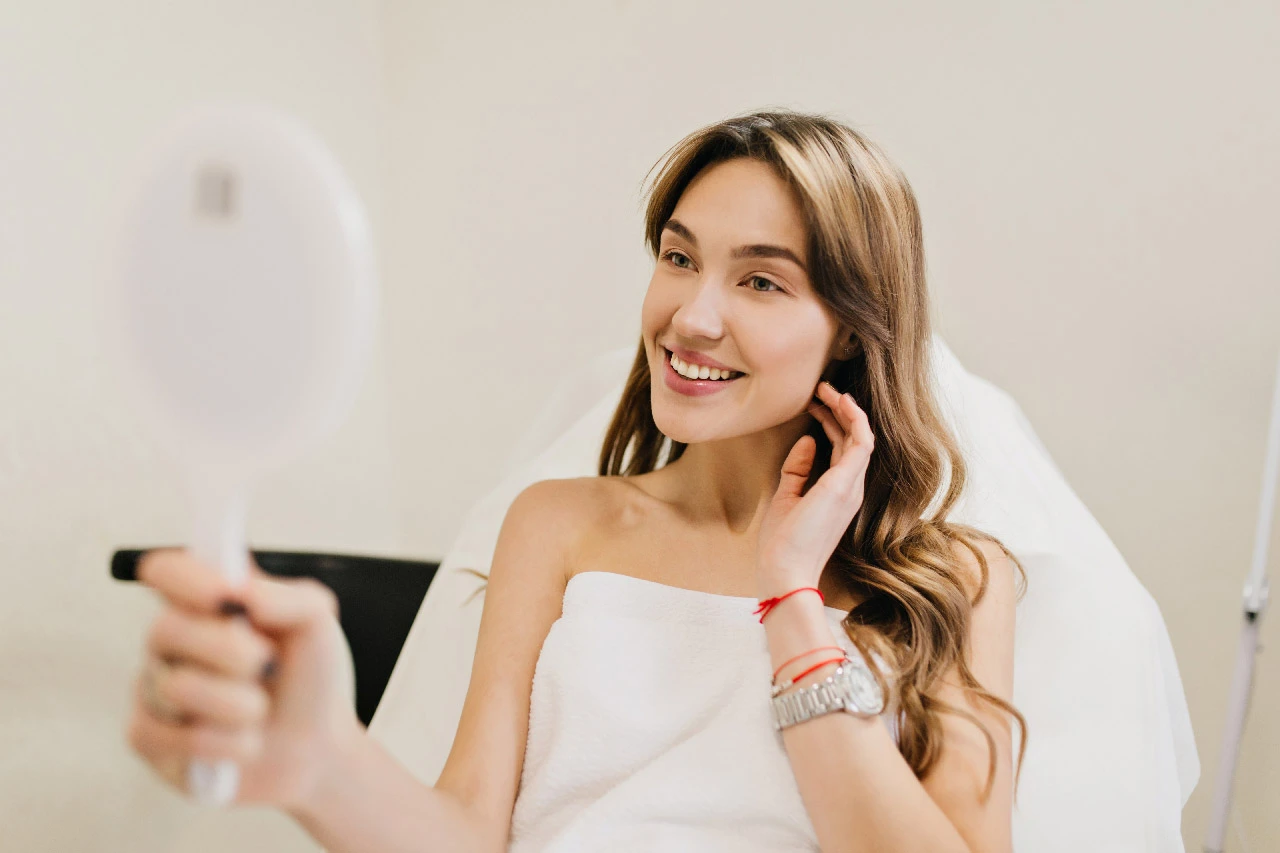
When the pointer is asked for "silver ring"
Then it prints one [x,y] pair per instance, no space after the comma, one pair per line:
[156,703]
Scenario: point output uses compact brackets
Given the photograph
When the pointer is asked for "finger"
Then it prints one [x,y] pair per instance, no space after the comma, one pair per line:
[177,575]
[853,418]
[286,605]
[170,748]
[834,432]
[838,404]
[228,647]
[170,766]
[858,426]
[864,436]
[796,467]
[200,696]
[146,692]
[848,477]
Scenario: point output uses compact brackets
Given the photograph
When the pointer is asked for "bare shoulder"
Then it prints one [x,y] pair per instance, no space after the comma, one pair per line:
[1000,572]
[562,512]
[556,507]
[586,507]
[522,600]
[991,623]
[539,536]
[991,620]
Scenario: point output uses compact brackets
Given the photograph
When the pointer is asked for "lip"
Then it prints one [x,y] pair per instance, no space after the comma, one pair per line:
[698,358]
[693,387]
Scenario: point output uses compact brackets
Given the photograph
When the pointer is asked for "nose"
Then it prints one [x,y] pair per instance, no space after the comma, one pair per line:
[702,314]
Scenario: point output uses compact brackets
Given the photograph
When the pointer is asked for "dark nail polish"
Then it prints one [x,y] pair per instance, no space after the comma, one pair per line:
[232,608]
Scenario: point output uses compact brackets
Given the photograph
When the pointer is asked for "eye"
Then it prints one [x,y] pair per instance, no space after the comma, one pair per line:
[672,254]
[766,281]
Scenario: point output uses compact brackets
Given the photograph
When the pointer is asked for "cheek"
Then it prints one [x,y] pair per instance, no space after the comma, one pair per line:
[791,372]
[651,308]
[657,309]
[646,310]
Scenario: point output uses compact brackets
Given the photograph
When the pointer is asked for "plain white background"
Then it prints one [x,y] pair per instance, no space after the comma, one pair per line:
[1098,187]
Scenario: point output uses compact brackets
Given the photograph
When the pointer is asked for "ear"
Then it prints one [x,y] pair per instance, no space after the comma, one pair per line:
[845,347]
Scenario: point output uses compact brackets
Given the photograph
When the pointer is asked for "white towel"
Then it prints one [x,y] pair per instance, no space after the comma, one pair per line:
[650,727]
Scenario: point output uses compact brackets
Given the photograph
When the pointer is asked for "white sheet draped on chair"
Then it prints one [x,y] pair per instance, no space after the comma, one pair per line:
[1111,759]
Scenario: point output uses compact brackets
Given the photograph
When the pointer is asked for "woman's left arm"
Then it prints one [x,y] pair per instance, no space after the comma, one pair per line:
[860,793]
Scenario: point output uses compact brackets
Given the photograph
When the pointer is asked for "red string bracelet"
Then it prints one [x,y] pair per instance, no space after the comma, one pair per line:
[802,654]
[769,603]
[816,666]
[781,687]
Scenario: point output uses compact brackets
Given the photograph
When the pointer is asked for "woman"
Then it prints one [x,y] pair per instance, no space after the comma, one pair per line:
[799,473]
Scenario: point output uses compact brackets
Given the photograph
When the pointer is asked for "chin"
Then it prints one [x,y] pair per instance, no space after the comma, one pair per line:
[680,428]
[696,429]
[673,428]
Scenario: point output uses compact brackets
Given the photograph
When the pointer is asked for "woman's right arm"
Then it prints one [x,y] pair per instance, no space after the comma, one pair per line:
[470,806]
[306,753]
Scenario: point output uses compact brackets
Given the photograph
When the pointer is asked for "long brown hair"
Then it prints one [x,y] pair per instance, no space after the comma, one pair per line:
[866,262]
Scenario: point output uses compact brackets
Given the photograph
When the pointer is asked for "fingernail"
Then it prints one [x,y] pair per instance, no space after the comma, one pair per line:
[228,607]
[269,668]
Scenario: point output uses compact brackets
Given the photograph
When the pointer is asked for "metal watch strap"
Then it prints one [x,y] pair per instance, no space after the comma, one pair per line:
[851,688]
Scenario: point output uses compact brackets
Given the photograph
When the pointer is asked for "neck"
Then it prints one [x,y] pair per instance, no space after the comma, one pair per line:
[729,483]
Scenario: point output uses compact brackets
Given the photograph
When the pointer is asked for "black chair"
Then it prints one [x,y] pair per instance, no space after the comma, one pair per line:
[378,599]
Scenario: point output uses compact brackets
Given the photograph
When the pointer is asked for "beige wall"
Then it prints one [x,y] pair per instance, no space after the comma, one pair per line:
[81,84]
[1098,186]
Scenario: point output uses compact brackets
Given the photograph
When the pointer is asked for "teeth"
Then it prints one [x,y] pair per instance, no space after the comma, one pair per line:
[692,371]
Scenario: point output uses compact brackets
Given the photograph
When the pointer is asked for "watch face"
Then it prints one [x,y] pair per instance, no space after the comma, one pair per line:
[866,690]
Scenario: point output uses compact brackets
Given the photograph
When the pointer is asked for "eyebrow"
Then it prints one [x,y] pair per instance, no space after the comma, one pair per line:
[758,250]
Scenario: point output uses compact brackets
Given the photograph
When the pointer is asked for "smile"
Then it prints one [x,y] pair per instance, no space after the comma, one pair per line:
[680,376]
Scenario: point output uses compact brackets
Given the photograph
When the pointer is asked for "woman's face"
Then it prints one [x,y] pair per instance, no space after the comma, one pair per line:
[731,288]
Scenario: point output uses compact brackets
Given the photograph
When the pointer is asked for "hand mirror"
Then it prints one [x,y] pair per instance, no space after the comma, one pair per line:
[239,316]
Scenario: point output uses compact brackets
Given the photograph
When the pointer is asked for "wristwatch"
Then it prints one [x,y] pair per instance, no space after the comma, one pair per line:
[852,688]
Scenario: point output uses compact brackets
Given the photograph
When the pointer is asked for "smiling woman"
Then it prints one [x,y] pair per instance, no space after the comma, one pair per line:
[789,248]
